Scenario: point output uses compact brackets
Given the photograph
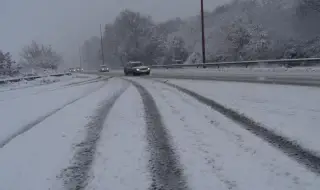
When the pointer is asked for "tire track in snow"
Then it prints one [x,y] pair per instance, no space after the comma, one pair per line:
[165,169]
[42,118]
[73,85]
[76,176]
[229,183]
[212,146]
[84,82]
[303,156]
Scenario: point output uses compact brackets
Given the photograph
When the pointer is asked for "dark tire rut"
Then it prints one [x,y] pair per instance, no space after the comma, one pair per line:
[76,177]
[293,150]
[37,121]
[164,166]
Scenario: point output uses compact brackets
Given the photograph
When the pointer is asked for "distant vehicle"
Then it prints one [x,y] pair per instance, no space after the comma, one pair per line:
[79,69]
[72,70]
[104,68]
[136,68]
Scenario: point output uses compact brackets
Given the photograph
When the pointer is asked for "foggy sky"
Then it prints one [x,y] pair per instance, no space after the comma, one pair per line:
[65,24]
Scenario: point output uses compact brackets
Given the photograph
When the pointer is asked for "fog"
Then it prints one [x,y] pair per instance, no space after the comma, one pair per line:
[65,24]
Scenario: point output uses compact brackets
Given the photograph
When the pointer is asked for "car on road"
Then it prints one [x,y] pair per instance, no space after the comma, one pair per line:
[79,69]
[104,68]
[136,68]
[72,70]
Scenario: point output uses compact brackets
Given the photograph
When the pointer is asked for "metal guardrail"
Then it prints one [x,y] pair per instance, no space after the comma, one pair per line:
[281,62]
[29,78]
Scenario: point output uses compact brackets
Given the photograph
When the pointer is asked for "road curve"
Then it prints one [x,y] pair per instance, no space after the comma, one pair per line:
[281,76]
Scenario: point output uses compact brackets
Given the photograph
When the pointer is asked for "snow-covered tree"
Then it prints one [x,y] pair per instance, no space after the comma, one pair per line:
[5,60]
[176,50]
[255,29]
[313,4]
[38,56]
[6,63]
[238,30]
[135,34]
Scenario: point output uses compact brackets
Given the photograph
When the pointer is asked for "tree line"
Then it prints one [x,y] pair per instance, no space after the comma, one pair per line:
[36,57]
[6,63]
[236,31]
[134,37]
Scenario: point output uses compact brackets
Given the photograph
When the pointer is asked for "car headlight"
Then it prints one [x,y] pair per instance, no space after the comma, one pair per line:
[138,69]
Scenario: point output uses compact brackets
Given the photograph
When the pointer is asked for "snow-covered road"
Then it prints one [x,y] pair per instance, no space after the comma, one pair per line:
[134,133]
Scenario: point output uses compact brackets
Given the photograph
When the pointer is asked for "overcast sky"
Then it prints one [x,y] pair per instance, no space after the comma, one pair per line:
[65,24]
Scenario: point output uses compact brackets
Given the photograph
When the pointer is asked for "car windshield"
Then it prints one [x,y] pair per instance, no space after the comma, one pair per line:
[136,64]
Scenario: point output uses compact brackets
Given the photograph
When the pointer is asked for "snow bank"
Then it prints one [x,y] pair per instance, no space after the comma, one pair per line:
[48,80]
[36,82]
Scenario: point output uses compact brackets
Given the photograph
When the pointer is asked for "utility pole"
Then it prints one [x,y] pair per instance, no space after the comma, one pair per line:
[80,57]
[102,52]
[203,36]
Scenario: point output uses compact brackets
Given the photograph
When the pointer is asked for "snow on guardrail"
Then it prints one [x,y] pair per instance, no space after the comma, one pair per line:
[29,78]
